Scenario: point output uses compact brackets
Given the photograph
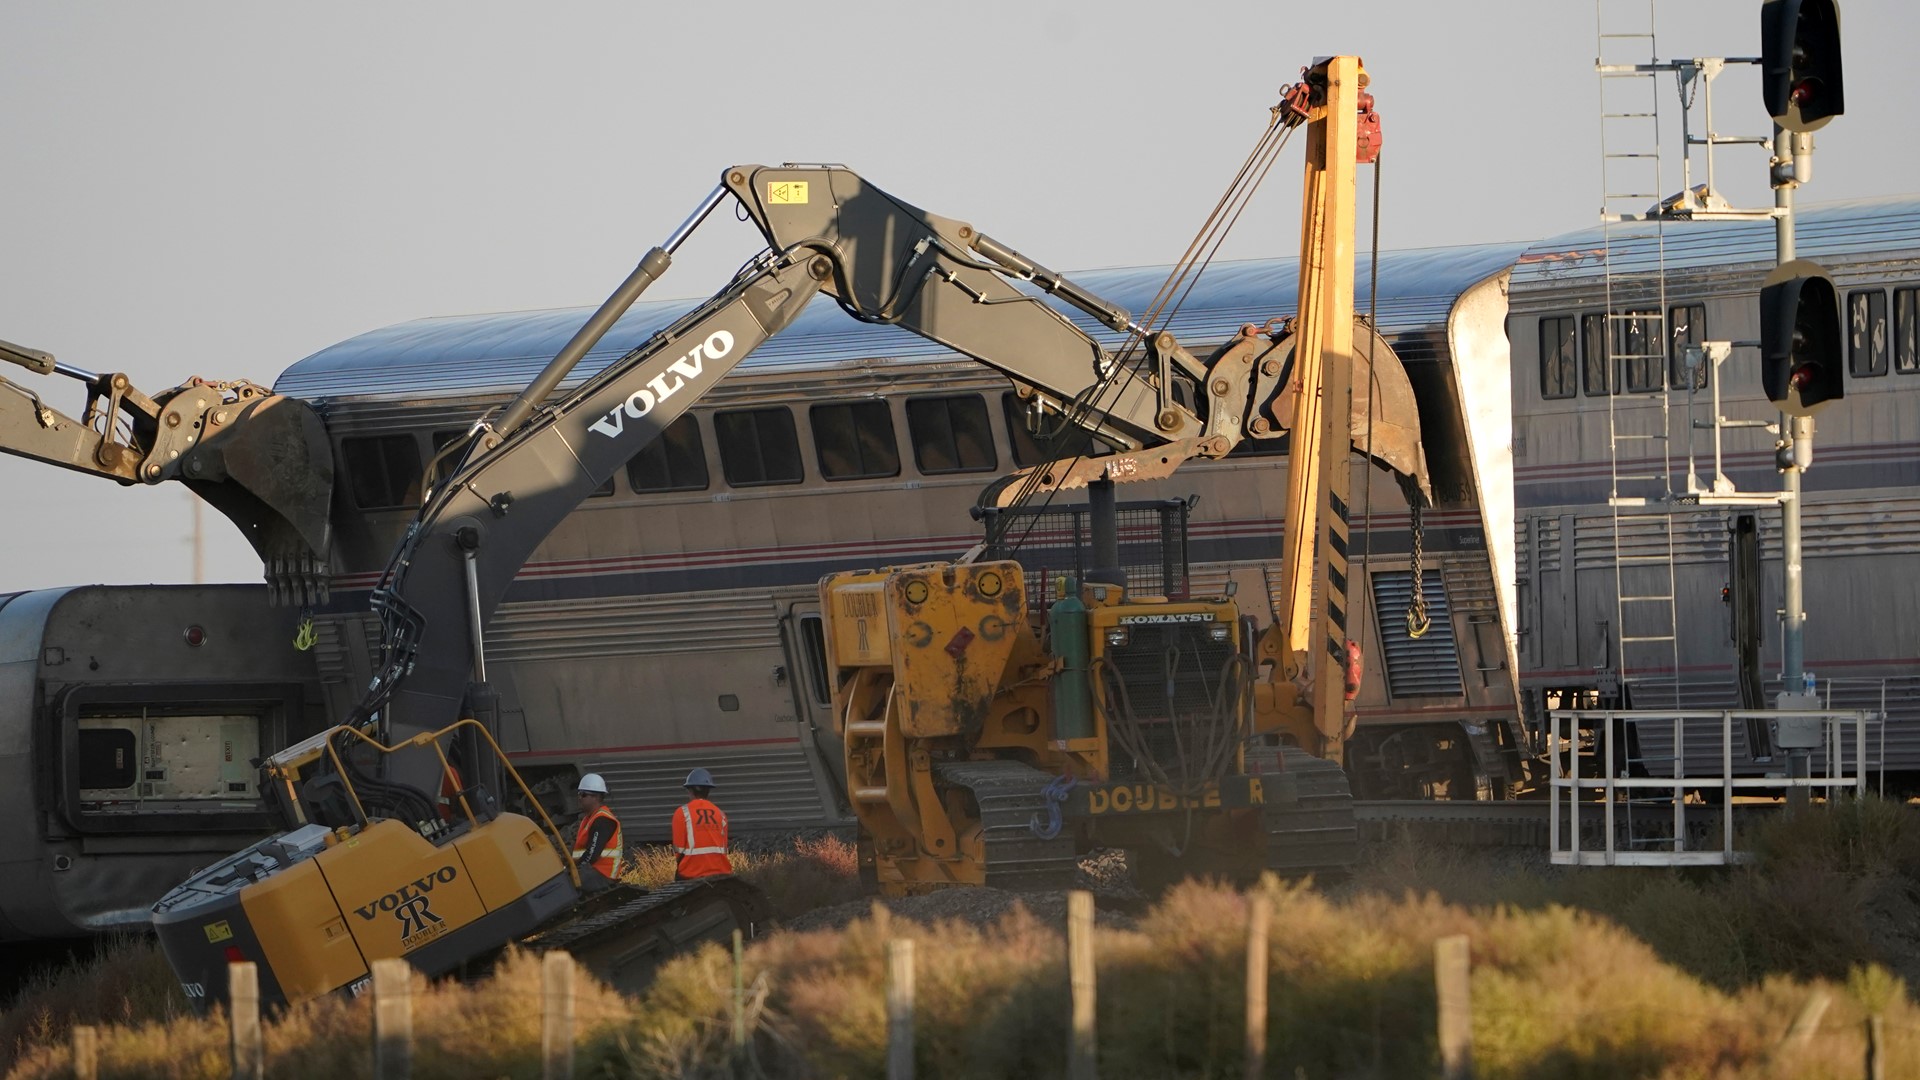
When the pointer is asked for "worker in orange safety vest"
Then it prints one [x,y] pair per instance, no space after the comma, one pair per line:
[700,832]
[597,846]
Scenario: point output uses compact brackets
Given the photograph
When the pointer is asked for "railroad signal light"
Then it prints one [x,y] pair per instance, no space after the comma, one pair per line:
[1800,62]
[1800,340]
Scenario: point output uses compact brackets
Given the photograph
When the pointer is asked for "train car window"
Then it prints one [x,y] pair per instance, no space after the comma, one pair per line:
[1025,451]
[676,461]
[758,447]
[1867,332]
[813,638]
[1557,358]
[1595,358]
[854,440]
[1029,449]
[1687,325]
[1906,330]
[383,471]
[951,434]
[440,440]
[1636,346]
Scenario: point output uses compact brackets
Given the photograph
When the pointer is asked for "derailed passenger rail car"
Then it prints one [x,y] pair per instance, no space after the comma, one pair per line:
[130,718]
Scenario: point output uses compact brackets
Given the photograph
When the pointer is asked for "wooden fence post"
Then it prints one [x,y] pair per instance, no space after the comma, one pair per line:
[556,1016]
[1259,910]
[900,1009]
[1082,1050]
[392,1020]
[86,1053]
[1450,981]
[739,997]
[1876,1047]
[245,1054]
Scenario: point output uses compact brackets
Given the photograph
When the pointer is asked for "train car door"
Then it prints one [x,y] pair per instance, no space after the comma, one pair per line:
[803,633]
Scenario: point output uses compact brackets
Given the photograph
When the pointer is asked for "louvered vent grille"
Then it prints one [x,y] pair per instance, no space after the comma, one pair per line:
[1426,665]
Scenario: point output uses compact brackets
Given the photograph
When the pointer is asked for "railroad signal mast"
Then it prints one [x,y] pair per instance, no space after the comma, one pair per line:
[1802,87]
[1800,367]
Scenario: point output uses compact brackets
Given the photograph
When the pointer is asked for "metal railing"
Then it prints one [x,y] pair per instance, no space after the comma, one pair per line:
[1592,774]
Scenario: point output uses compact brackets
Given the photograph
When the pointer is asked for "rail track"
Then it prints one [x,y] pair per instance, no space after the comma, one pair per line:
[1524,823]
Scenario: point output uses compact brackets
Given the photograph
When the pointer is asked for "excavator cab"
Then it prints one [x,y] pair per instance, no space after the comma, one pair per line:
[369,868]
[366,869]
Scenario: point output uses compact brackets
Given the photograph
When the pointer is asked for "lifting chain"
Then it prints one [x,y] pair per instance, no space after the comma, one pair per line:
[1417,622]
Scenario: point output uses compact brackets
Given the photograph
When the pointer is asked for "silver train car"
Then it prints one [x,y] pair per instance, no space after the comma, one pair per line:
[672,620]
[1861,516]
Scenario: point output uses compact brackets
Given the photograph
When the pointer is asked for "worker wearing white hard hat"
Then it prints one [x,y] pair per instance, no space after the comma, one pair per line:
[597,847]
[700,831]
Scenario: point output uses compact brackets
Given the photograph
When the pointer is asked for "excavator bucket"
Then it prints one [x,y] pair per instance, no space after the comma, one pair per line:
[261,459]
[269,469]
[1384,423]
[1385,417]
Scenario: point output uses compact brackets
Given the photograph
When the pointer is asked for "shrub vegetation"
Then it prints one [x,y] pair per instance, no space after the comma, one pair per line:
[1588,974]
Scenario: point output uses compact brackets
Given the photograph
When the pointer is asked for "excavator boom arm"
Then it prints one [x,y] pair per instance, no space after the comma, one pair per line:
[829,231]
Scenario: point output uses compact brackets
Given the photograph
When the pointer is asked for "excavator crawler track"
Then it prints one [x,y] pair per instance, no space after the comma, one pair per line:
[1011,805]
[1308,816]
[623,934]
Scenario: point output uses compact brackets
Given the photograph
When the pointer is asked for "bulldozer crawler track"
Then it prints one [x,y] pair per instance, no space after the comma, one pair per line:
[1314,831]
[1010,800]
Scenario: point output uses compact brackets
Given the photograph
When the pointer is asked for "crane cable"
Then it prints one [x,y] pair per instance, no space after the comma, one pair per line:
[1187,271]
[1418,621]
[1238,194]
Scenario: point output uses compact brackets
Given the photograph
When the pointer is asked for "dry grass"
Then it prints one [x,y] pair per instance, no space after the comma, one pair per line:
[1828,891]
[124,981]
[488,1028]
[1575,976]
[1557,993]
[798,876]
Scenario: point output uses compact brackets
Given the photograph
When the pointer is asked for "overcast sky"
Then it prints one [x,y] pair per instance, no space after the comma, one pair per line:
[222,189]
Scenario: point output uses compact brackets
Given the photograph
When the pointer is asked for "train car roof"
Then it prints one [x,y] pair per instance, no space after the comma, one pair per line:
[477,354]
[1838,231]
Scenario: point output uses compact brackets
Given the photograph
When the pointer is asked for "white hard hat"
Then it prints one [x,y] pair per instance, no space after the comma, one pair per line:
[592,783]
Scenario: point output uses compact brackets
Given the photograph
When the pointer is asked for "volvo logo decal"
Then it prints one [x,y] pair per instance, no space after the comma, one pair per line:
[664,385]
[411,904]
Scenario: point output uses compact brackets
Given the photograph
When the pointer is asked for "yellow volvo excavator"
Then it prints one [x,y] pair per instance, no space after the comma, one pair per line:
[370,870]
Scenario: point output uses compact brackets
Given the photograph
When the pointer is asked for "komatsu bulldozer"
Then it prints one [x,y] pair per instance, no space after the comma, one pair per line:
[991,740]
[370,870]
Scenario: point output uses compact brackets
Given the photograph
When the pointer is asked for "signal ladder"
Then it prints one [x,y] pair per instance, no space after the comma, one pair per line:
[1626,354]
[1635,353]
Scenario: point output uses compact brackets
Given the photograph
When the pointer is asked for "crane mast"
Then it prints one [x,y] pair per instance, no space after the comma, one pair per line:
[1310,644]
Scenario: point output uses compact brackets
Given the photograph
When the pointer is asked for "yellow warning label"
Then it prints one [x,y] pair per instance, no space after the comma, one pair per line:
[218,932]
[791,192]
